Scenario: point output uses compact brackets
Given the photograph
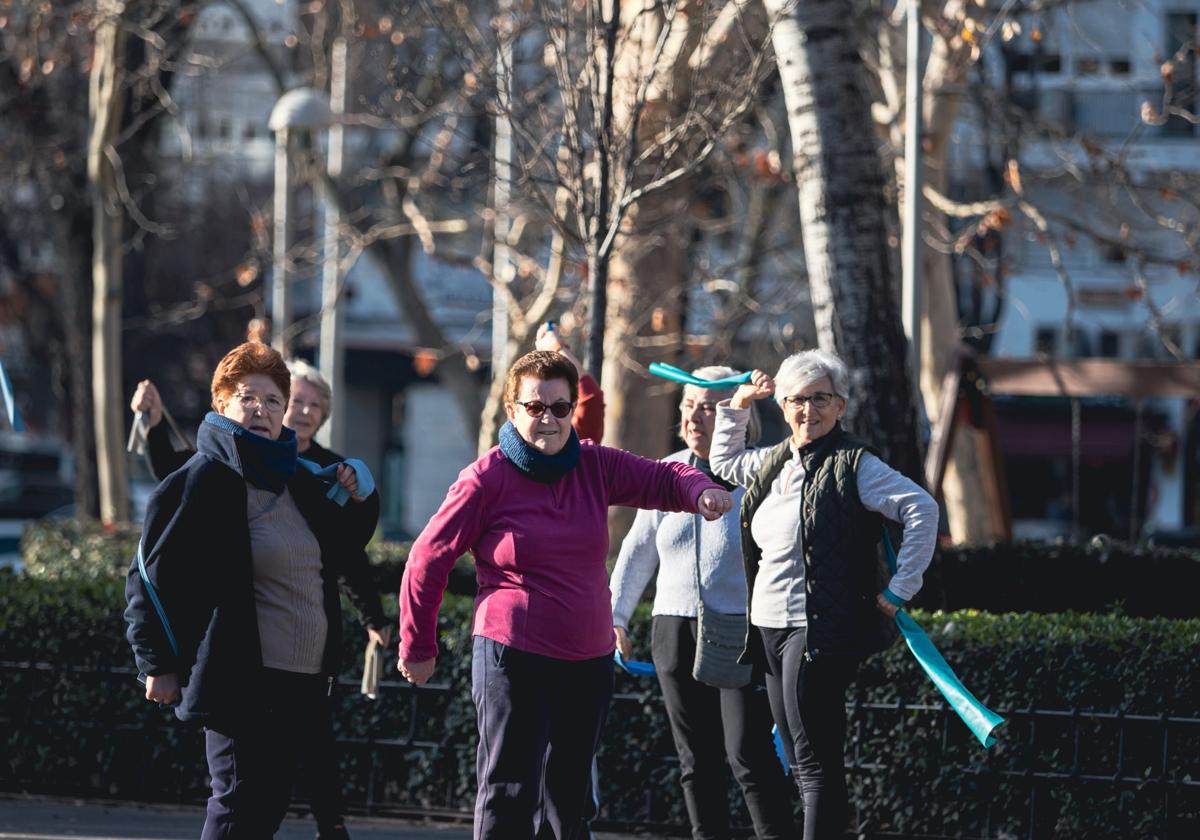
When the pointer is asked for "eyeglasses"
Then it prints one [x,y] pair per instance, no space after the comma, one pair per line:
[821,399]
[706,407]
[249,402]
[536,408]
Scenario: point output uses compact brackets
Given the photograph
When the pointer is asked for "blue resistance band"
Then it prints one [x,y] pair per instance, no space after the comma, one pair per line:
[779,752]
[158,607]
[979,718]
[636,669]
[339,494]
[673,373]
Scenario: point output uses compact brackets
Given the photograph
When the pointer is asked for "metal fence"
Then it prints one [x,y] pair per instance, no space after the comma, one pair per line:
[1147,763]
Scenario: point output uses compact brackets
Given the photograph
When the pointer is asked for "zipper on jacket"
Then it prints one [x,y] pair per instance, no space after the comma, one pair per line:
[804,560]
[329,684]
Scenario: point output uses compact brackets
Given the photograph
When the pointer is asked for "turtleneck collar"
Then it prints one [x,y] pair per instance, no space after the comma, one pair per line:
[540,467]
[702,464]
[265,463]
[814,447]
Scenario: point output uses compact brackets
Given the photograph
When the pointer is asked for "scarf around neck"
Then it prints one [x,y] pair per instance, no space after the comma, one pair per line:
[540,467]
[265,463]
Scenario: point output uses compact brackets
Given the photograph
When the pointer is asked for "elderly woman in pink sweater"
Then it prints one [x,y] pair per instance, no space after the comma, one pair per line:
[534,513]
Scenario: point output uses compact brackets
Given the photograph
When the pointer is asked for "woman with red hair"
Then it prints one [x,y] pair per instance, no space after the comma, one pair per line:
[233,609]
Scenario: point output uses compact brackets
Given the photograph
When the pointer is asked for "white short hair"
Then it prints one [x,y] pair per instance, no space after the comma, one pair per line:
[808,366]
[304,372]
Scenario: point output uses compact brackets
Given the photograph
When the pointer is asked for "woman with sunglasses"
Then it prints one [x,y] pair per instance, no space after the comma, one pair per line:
[710,726]
[534,513]
[233,609]
[811,524]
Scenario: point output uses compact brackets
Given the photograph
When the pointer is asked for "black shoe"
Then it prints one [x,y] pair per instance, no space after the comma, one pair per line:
[337,832]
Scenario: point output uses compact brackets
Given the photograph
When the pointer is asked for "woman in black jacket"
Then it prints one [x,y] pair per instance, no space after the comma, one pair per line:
[233,609]
[811,522]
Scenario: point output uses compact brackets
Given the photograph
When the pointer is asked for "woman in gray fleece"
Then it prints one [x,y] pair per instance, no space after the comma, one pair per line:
[665,542]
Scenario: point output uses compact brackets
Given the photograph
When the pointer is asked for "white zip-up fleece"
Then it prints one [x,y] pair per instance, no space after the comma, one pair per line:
[779,588]
[665,542]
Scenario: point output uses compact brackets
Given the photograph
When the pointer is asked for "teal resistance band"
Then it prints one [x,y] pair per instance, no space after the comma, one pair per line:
[10,403]
[979,718]
[674,373]
[158,607]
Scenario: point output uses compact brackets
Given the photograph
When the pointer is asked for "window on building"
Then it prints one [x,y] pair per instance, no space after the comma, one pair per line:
[1115,252]
[1035,62]
[1110,344]
[1045,342]
[1120,66]
[1180,31]
[1087,66]
[224,129]
[250,132]
[1081,344]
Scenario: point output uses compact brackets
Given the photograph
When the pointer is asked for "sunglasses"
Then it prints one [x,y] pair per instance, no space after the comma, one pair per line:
[536,408]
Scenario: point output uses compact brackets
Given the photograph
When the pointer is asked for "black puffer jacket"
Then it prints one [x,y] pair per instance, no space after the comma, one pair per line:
[843,567]
[196,548]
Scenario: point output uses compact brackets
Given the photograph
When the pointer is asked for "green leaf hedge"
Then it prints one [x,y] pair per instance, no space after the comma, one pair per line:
[79,725]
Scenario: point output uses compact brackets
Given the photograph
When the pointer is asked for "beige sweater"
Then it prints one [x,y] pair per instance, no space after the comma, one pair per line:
[287,583]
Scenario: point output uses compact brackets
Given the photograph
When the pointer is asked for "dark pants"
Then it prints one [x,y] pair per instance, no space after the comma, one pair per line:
[699,712]
[808,700]
[255,762]
[539,724]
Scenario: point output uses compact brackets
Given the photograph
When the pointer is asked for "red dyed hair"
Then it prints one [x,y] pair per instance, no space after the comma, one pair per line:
[245,360]
[545,365]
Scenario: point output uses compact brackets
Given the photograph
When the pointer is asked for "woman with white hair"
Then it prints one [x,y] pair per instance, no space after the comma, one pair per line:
[709,725]
[811,521]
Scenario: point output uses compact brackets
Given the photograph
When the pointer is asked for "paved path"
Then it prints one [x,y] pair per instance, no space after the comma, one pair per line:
[28,818]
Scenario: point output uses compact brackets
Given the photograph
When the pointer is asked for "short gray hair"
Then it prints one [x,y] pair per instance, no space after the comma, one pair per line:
[304,372]
[754,426]
[808,366]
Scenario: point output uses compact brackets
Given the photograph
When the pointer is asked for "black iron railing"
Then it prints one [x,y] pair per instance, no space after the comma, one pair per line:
[1146,763]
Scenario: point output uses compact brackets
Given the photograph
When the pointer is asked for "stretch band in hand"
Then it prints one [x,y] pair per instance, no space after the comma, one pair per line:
[636,669]
[979,718]
[675,374]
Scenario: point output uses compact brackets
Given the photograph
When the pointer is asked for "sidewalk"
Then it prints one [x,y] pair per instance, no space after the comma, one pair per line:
[30,818]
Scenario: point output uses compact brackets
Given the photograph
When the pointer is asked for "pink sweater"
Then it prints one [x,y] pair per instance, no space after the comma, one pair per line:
[540,550]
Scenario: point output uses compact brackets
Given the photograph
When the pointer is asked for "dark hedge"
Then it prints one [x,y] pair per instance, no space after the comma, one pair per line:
[73,727]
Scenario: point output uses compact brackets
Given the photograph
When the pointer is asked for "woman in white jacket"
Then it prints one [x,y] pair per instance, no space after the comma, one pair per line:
[666,543]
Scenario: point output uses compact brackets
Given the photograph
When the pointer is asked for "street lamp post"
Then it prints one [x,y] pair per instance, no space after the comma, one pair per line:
[297,114]
[331,354]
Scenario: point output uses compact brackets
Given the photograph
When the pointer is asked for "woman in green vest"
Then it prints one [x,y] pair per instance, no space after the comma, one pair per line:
[811,523]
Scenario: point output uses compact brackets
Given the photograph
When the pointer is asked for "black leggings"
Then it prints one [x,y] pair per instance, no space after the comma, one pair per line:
[712,726]
[808,701]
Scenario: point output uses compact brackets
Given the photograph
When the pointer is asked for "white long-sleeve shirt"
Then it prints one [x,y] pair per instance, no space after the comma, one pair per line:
[665,543]
[779,588]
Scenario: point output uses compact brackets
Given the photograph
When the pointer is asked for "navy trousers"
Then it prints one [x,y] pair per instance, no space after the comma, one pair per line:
[539,721]
[254,762]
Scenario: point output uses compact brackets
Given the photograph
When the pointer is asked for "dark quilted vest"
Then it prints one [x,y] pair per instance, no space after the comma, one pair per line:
[842,562]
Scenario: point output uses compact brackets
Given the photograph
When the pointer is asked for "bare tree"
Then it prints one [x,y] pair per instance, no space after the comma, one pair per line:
[843,211]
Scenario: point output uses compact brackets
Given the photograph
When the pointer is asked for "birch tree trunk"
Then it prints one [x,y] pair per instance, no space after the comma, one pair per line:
[105,101]
[843,216]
